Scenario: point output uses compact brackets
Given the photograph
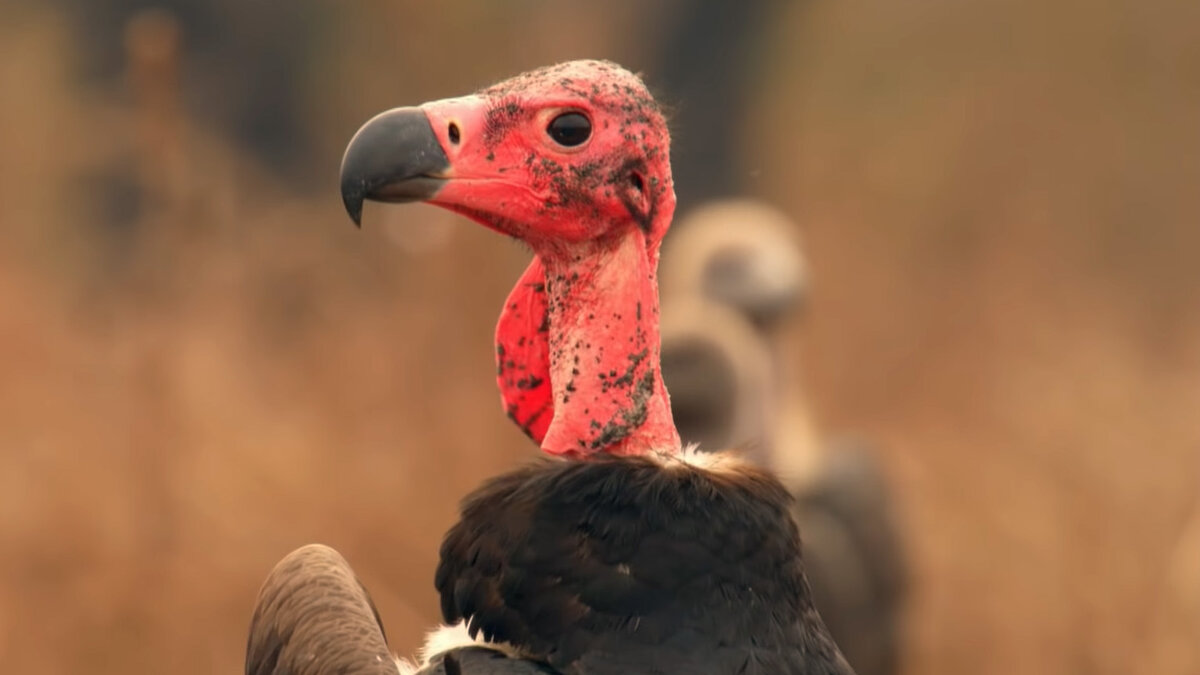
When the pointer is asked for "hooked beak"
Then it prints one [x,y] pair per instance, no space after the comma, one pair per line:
[395,157]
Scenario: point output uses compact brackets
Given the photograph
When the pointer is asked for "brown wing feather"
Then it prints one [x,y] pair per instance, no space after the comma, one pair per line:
[314,617]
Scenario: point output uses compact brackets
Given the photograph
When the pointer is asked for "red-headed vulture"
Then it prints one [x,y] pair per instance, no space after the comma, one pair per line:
[620,551]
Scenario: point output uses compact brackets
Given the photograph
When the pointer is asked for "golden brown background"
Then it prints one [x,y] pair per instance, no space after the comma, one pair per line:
[203,365]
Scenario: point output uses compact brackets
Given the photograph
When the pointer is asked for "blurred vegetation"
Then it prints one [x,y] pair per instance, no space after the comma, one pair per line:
[204,365]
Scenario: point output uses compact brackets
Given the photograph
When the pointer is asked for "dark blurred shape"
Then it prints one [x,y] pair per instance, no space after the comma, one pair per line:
[153,41]
[854,555]
[145,174]
[718,373]
[732,276]
[247,65]
[705,376]
[704,68]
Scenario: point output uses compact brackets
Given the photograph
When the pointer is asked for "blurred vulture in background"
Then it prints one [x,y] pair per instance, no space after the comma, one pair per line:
[732,276]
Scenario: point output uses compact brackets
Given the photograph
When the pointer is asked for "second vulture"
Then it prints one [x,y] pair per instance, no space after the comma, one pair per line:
[734,284]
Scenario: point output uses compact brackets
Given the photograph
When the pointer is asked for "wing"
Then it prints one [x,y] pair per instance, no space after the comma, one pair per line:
[313,617]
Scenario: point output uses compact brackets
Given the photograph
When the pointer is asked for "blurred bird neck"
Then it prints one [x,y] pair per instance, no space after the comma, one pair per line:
[607,389]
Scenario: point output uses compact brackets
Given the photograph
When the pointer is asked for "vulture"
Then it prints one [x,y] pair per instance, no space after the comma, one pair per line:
[619,550]
[733,277]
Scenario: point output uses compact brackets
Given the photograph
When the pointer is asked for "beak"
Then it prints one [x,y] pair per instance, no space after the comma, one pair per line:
[395,157]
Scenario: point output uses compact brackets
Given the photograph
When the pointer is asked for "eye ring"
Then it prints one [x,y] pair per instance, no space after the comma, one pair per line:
[570,129]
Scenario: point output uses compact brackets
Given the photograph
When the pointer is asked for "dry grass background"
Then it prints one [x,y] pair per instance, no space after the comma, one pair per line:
[998,198]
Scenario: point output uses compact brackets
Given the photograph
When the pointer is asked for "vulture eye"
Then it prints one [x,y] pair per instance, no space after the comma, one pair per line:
[570,129]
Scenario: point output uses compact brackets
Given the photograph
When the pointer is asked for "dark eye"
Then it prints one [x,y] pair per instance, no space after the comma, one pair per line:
[570,129]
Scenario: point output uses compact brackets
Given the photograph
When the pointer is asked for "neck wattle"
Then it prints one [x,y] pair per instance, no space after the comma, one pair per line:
[606,385]
[522,354]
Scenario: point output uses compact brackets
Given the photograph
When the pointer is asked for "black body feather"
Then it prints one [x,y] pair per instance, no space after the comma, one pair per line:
[628,564]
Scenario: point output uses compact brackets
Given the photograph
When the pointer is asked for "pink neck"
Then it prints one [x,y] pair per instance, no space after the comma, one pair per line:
[606,385]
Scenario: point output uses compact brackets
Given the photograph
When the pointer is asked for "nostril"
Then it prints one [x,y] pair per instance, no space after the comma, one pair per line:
[454,133]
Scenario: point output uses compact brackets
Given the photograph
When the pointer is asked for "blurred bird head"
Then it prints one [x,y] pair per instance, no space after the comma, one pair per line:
[742,253]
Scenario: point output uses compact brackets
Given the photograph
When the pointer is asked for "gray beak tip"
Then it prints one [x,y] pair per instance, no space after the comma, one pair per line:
[395,157]
[352,199]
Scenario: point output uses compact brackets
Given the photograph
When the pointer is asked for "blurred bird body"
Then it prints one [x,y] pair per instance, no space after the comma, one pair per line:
[740,258]
[733,278]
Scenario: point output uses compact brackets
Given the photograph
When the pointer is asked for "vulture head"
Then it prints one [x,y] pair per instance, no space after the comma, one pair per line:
[573,160]
[565,158]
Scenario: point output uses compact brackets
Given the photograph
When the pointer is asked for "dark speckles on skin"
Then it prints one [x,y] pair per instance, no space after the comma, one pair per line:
[621,101]
[499,119]
[631,418]
[588,173]
[635,360]
[571,186]
[530,382]
[547,166]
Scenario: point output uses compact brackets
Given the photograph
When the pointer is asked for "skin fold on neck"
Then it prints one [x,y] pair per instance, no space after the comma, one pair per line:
[602,341]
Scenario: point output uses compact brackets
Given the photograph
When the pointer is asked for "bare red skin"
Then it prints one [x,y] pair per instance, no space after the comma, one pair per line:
[595,216]
[523,354]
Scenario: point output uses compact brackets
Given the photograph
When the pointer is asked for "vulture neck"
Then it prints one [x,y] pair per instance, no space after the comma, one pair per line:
[606,384]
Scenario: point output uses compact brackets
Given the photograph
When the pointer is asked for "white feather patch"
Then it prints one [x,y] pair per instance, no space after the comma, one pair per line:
[443,639]
[691,455]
